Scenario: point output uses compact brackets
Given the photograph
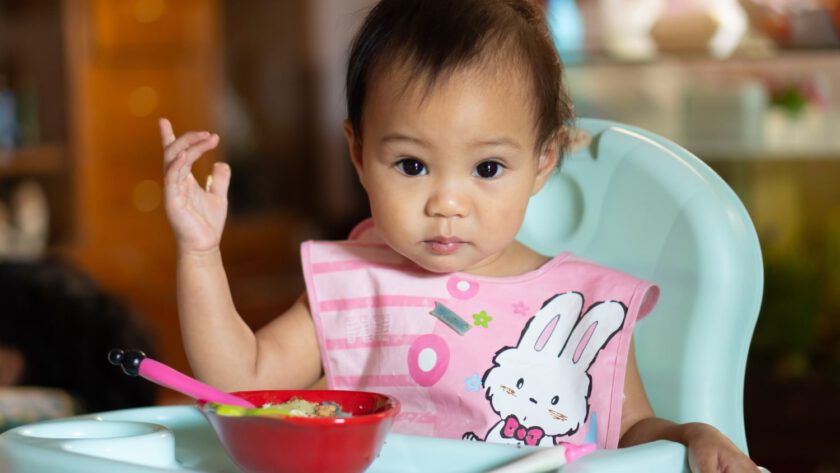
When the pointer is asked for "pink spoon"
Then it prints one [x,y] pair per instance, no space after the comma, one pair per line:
[135,362]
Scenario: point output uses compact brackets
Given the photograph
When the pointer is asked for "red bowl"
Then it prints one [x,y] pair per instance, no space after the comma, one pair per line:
[307,444]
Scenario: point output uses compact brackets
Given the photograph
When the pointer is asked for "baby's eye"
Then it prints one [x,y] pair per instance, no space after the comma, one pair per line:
[520,383]
[411,167]
[488,169]
[555,400]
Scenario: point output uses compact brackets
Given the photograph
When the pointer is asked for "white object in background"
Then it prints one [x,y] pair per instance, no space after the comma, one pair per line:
[716,26]
[31,215]
[732,25]
[626,27]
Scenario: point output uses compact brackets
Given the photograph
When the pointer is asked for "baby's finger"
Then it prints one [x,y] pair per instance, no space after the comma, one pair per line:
[219,180]
[197,149]
[167,135]
[172,172]
[181,143]
[705,463]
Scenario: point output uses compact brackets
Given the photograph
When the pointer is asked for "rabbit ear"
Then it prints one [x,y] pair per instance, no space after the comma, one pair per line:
[549,329]
[591,334]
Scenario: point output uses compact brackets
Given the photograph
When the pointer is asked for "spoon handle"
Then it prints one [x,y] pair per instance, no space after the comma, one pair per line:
[135,362]
[163,375]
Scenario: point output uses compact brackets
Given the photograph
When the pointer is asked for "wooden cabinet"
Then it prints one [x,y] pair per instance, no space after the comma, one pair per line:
[129,63]
[33,126]
[133,62]
[105,71]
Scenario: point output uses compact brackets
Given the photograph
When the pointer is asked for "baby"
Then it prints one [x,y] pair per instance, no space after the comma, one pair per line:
[457,115]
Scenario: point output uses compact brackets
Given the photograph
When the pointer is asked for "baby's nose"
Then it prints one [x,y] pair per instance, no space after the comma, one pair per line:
[447,200]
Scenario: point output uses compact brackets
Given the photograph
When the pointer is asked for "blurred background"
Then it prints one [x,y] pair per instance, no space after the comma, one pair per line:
[751,86]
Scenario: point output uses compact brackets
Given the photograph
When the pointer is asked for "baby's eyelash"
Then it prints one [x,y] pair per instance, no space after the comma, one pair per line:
[411,166]
[489,169]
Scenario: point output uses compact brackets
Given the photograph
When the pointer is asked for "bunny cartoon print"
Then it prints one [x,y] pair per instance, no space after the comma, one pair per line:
[540,388]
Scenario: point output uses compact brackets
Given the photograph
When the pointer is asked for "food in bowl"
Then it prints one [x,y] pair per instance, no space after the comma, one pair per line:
[294,407]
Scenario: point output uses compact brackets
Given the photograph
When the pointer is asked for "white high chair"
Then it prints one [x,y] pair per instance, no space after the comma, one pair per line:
[637,202]
[630,200]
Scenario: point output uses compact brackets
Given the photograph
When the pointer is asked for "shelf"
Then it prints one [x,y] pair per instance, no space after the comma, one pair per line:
[722,110]
[739,152]
[774,56]
[34,161]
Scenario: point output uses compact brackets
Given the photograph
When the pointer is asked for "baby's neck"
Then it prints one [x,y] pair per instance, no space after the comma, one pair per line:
[517,259]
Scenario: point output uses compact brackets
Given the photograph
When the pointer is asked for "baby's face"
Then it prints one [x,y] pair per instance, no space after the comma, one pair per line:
[449,173]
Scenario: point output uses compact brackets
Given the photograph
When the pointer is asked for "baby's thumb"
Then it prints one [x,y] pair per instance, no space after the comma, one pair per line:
[219,180]
[167,135]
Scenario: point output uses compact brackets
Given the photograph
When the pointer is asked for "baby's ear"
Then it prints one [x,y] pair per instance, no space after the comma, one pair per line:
[355,145]
[547,162]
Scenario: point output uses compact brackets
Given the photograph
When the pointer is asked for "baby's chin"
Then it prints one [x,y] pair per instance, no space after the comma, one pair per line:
[465,262]
[438,267]
[433,263]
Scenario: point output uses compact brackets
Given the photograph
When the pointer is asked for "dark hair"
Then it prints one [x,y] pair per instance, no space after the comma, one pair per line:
[436,37]
[63,325]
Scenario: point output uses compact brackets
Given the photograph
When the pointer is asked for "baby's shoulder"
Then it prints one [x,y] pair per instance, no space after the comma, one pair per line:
[587,268]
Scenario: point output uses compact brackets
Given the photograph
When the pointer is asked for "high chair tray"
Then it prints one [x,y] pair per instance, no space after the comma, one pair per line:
[178,439]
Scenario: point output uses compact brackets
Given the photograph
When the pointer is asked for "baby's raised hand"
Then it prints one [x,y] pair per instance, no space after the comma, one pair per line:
[197,213]
[709,451]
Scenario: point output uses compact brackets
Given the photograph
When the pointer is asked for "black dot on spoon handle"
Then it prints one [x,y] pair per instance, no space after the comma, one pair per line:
[128,360]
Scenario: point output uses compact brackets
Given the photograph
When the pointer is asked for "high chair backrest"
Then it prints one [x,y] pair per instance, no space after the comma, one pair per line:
[637,202]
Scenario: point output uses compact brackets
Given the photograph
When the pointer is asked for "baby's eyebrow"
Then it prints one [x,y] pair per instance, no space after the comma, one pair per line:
[502,141]
[397,137]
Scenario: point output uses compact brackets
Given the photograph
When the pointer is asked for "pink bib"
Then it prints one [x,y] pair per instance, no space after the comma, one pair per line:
[532,359]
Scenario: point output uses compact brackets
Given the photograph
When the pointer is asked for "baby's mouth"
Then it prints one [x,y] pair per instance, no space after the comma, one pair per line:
[444,245]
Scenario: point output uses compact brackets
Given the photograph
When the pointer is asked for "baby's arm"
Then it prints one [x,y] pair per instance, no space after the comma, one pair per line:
[222,349]
[708,449]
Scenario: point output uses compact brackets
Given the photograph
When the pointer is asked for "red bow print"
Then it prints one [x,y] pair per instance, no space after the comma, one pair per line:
[513,429]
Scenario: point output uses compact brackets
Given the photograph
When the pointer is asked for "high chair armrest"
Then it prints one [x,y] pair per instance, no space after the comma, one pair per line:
[661,456]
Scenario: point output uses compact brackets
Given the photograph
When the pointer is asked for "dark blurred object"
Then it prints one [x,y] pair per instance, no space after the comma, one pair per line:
[7,107]
[797,23]
[10,6]
[58,326]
